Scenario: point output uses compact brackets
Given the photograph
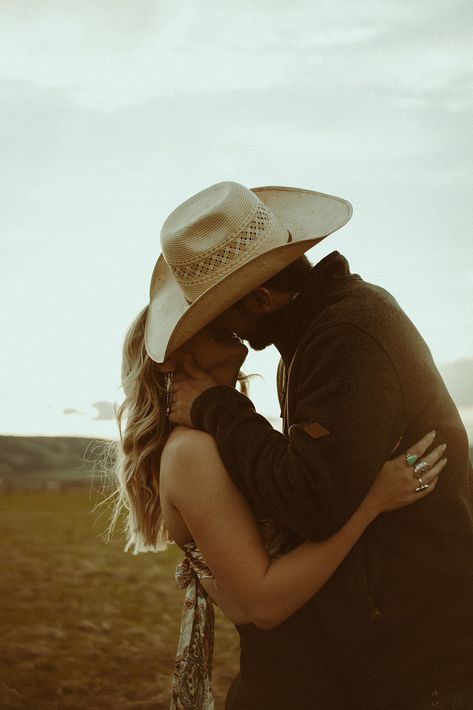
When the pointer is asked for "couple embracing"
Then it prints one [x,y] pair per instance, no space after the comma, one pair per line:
[342,547]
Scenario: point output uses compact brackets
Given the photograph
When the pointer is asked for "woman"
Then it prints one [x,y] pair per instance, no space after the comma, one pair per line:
[174,486]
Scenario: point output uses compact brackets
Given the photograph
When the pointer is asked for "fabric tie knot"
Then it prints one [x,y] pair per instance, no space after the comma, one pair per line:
[184,573]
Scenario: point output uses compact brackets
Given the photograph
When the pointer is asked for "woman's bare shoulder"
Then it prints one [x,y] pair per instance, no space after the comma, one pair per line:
[186,449]
[188,459]
[184,441]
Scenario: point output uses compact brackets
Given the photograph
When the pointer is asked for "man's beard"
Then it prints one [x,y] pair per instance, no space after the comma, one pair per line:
[265,331]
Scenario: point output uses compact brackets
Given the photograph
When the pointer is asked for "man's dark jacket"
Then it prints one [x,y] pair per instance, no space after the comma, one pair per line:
[396,618]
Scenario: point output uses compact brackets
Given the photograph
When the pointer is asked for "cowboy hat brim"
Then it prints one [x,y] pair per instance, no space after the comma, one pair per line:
[308,216]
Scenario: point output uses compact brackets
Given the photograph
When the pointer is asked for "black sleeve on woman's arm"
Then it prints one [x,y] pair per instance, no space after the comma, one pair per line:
[347,386]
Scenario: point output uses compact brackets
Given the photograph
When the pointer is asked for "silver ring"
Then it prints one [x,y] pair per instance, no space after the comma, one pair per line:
[421,488]
[421,467]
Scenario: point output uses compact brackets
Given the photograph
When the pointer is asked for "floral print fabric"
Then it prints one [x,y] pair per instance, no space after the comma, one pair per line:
[192,686]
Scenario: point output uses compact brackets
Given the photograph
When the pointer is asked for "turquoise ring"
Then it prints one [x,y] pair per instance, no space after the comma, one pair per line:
[411,458]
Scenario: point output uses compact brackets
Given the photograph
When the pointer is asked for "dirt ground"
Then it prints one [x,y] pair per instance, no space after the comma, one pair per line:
[83,624]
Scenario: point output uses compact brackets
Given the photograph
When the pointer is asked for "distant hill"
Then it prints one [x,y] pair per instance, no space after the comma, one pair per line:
[27,458]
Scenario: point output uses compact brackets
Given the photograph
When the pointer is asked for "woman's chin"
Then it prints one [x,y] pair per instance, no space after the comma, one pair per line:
[238,356]
[236,350]
[244,350]
[227,370]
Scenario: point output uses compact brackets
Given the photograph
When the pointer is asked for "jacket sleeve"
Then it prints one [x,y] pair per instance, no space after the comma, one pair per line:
[349,416]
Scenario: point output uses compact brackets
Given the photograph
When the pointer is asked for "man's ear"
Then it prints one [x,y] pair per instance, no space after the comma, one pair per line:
[259,302]
[263,301]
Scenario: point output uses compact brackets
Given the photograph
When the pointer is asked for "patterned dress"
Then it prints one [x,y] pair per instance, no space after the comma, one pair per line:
[192,682]
[192,689]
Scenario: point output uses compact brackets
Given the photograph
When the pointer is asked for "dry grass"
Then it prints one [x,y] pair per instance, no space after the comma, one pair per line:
[84,625]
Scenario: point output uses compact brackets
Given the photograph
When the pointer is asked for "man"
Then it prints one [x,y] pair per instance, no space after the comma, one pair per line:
[393,628]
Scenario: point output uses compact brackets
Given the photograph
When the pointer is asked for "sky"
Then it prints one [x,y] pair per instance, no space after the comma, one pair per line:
[112,113]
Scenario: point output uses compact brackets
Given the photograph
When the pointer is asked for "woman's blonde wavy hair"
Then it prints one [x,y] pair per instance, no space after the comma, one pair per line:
[143,429]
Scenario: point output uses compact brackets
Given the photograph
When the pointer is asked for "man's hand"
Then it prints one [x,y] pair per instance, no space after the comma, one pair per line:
[186,388]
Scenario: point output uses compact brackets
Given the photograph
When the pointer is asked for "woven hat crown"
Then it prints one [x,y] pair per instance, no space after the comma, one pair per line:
[214,232]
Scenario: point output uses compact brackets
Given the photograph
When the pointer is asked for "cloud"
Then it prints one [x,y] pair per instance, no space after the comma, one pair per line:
[71,410]
[105,410]
[119,54]
[87,24]
[113,113]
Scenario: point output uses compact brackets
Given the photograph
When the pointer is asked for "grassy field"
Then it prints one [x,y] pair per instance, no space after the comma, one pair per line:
[83,624]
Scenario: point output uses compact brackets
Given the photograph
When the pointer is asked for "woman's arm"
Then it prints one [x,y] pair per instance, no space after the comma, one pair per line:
[195,481]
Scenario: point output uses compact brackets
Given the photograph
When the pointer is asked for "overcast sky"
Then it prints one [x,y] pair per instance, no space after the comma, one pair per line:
[114,112]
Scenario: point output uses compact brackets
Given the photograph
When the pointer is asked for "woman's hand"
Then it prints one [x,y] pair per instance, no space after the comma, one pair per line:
[395,485]
[188,384]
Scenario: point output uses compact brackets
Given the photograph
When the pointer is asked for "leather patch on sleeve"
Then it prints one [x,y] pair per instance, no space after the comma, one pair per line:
[315,430]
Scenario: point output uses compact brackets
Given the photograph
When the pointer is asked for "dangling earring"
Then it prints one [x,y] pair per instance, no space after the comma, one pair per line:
[169,381]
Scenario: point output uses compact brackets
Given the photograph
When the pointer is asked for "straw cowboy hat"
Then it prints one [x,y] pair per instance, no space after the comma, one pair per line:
[222,243]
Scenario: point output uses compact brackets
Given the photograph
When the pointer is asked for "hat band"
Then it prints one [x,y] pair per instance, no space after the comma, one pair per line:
[288,241]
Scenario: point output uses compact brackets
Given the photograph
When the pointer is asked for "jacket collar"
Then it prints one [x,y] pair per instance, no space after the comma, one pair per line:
[318,290]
